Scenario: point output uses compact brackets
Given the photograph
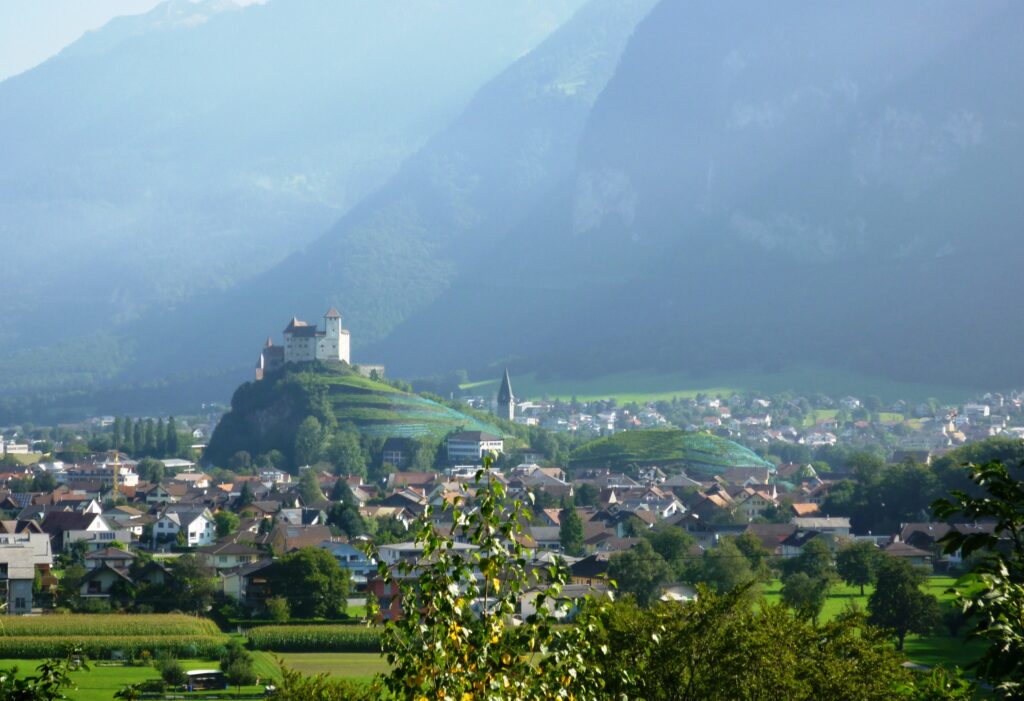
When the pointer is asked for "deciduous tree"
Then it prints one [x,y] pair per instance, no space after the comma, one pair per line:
[898,604]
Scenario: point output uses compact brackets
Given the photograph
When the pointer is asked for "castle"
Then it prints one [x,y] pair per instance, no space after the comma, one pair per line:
[304,342]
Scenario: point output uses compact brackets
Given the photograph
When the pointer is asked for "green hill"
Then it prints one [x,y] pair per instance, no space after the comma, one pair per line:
[265,415]
[697,452]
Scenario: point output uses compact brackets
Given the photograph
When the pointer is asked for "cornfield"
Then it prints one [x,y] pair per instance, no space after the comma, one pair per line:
[336,638]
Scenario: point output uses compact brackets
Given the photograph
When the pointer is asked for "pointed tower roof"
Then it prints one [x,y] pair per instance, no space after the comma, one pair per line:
[269,343]
[505,392]
[332,313]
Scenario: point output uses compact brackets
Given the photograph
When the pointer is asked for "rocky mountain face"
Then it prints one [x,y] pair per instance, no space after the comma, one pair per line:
[762,186]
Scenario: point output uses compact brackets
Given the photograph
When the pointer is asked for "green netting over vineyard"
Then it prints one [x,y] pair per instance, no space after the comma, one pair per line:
[697,452]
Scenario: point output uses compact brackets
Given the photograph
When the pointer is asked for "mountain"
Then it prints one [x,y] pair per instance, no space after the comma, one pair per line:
[450,203]
[265,415]
[761,186]
[181,151]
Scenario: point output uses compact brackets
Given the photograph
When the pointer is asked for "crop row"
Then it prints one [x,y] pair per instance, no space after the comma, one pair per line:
[337,638]
[102,647]
[94,625]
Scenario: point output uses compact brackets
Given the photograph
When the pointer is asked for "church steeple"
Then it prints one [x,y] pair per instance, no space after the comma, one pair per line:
[506,400]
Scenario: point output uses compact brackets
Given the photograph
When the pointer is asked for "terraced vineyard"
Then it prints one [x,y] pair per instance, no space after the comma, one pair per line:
[378,409]
[699,453]
[265,415]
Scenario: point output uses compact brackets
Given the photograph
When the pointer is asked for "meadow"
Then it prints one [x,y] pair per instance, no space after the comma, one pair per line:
[645,386]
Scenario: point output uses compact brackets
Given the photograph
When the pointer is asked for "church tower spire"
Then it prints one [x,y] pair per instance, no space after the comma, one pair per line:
[506,400]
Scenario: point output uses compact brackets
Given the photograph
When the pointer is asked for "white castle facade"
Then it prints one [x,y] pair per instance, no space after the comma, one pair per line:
[305,342]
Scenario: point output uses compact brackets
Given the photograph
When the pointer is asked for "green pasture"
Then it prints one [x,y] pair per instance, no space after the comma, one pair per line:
[643,386]
[104,679]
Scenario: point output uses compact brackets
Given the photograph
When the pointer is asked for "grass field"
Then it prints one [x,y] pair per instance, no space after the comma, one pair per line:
[643,386]
[103,680]
[928,650]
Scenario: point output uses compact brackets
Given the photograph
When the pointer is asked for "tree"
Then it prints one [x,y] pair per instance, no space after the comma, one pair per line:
[241,461]
[815,560]
[897,603]
[570,531]
[149,448]
[312,581]
[139,437]
[278,609]
[673,544]
[309,487]
[227,523]
[151,470]
[724,568]
[994,595]
[173,442]
[855,563]
[346,454]
[804,594]
[69,586]
[161,438]
[468,646]
[245,496]
[639,571]
[757,555]
[128,436]
[587,495]
[237,665]
[347,519]
[193,587]
[720,648]
[170,669]
[309,442]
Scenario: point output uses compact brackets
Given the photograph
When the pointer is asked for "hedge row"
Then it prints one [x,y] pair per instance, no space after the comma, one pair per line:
[101,624]
[315,638]
[103,647]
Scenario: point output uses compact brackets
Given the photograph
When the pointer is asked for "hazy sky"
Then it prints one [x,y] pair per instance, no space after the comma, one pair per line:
[32,31]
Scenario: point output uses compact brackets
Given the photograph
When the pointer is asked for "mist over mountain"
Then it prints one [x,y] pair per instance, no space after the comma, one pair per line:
[447,205]
[697,187]
[765,186]
[191,147]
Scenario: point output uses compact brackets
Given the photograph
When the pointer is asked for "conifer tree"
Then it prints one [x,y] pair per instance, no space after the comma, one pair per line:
[161,438]
[571,531]
[117,433]
[172,443]
[150,445]
[128,435]
[139,437]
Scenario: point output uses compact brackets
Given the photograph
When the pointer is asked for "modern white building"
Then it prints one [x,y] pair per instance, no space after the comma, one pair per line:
[469,446]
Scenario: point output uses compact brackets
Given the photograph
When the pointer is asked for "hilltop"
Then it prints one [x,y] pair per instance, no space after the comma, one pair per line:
[699,453]
[265,415]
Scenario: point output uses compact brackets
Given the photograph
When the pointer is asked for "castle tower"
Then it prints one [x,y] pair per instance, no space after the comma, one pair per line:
[506,400]
[335,344]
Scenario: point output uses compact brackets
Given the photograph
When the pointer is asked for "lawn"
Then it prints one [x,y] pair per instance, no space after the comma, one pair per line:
[103,680]
[353,665]
[927,650]
[642,386]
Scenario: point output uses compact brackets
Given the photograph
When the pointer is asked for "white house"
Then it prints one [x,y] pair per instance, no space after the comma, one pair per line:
[198,526]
